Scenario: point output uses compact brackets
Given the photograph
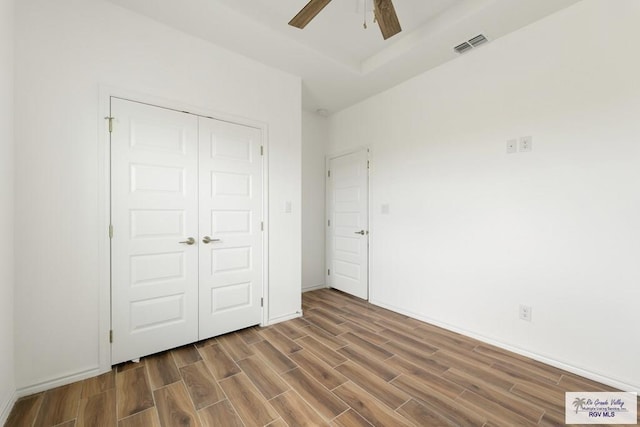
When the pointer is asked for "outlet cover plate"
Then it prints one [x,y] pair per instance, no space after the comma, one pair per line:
[525,313]
[526,144]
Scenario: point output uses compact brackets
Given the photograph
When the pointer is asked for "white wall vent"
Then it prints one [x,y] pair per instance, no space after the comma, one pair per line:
[470,44]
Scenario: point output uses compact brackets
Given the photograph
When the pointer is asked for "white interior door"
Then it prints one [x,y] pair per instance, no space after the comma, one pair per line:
[154,210]
[230,227]
[348,226]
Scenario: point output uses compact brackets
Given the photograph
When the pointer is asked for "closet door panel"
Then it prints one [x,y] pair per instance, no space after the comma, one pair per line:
[154,207]
[230,285]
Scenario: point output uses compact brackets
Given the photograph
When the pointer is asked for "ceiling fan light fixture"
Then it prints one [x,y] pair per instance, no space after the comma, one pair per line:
[384,15]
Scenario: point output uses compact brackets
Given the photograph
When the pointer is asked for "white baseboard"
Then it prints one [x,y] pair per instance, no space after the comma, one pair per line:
[549,361]
[57,382]
[313,288]
[284,318]
[6,409]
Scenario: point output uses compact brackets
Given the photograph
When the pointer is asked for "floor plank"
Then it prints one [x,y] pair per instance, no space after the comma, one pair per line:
[59,405]
[220,414]
[295,411]
[371,349]
[148,418]
[218,362]
[202,387]
[318,369]
[377,387]
[99,384]
[423,416]
[185,355]
[274,357]
[350,419]
[252,408]
[279,341]
[329,356]
[98,410]
[25,411]
[174,406]
[376,367]
[162,370]
[133,392]
[250,335]
[266,380]
[322,400]
[235,346]
[505,399]
[325,337]
[368,407]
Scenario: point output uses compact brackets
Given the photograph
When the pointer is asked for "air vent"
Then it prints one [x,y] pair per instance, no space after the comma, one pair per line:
[462,48]
[478,40]
[470,44]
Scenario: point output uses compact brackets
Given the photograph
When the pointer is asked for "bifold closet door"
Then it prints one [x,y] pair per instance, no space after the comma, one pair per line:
[154,214]
[231,242]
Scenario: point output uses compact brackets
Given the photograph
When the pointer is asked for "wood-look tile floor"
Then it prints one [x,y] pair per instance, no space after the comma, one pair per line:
[346,363]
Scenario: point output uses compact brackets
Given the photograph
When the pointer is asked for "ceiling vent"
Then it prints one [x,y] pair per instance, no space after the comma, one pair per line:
[470,44]
[462,48]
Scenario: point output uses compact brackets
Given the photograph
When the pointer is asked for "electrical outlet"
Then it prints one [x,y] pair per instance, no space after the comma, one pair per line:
[525,313]
[526,144]
[512,146]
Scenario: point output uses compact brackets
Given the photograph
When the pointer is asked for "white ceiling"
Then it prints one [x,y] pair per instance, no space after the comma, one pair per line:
[339,61]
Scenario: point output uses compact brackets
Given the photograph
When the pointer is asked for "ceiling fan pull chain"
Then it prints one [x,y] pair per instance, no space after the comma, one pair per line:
[364,24]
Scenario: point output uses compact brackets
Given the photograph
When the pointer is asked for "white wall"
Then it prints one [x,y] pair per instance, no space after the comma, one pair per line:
[64,51]
[315,138]
[473,233]
[7,381]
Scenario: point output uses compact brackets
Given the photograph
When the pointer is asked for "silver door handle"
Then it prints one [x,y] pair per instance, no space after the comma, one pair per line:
[361,232]
[207,239]
[190,241]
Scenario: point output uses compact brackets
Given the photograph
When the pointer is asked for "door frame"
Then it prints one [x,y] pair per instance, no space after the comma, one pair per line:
[327,237]
[106,92]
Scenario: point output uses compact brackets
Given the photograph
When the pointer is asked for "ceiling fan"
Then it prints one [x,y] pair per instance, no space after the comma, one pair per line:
[384,12]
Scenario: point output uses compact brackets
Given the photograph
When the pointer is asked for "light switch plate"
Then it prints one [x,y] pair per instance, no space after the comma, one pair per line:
[512,146]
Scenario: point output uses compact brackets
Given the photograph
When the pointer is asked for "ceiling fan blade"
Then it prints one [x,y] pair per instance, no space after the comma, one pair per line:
[387,18]
[308,13]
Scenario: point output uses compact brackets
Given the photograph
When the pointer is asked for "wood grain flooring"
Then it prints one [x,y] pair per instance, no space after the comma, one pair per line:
[346,363]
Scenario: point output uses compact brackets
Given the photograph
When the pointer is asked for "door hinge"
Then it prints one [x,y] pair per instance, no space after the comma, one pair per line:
[262,226]
[329,272]
[329,174]
[262,150]
[110,123]
[111,336]
[368,164]
[261,302]
[329,223]
[110,231]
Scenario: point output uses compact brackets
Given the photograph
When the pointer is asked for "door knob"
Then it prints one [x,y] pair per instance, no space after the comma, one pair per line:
[207,239]
[190,241]
[361,232]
